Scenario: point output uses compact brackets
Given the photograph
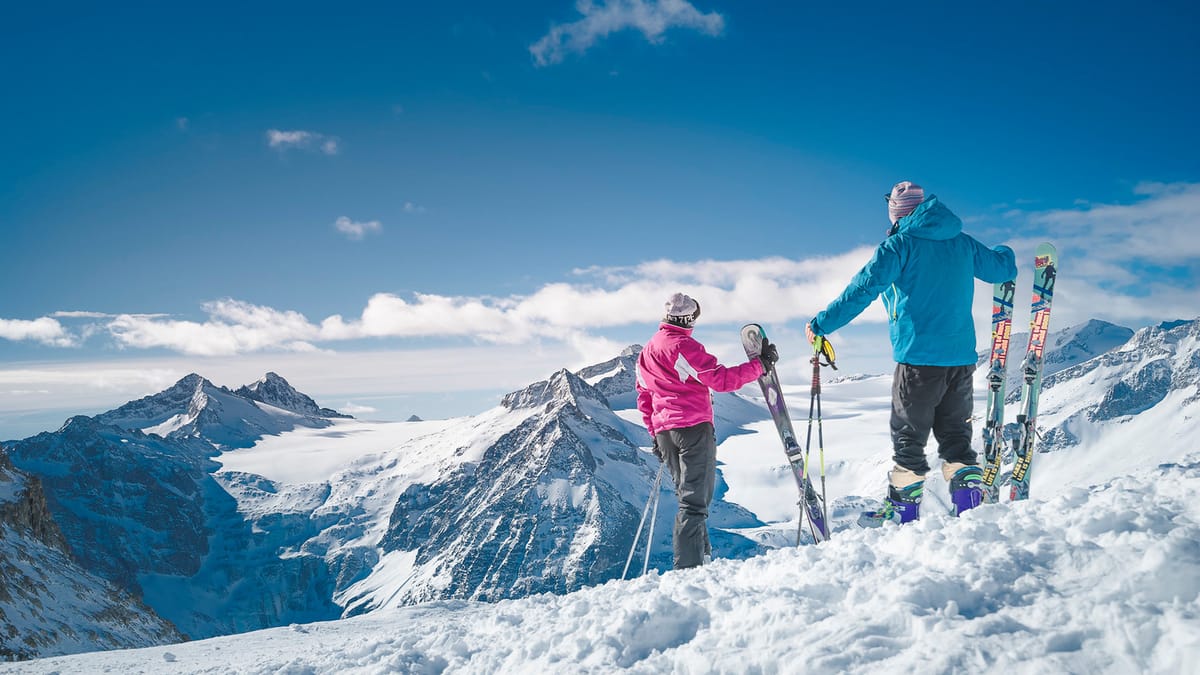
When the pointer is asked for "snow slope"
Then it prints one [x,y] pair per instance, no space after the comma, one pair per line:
[1112,587]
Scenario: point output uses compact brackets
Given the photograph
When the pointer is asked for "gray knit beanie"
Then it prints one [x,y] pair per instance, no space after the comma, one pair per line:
[682,310]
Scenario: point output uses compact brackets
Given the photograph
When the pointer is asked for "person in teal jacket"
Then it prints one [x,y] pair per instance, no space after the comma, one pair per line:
[925,270]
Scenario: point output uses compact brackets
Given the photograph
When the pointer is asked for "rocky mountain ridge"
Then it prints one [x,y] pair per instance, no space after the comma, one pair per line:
[37,571]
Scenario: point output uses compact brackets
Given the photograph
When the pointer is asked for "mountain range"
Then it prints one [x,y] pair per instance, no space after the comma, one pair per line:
[204,511]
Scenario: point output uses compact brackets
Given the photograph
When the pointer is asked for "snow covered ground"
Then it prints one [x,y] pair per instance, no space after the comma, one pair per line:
[1098,580]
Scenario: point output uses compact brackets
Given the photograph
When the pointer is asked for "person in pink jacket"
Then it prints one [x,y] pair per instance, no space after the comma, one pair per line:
[674,376]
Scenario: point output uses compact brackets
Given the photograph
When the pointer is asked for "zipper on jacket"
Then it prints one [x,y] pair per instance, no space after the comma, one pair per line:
[891,303]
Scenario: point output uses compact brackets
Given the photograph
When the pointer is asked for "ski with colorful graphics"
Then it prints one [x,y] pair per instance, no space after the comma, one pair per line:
[810,501]
[993,429]
[1045,273]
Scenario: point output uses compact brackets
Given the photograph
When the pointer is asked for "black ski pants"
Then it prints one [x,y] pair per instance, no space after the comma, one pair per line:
[691,457]
[932,398]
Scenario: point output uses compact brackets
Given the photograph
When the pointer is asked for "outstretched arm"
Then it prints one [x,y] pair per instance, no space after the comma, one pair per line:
[870,281]
[712,374]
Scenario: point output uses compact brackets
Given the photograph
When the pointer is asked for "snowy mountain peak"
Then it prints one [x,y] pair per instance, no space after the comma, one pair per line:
[563,386]
[615,378]
[77,423]
[1163,335]
[274,390]
[195,407]
[1157,369]
[1066,348]
[187,396]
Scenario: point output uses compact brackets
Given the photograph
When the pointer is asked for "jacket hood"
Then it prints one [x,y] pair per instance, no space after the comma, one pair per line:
[931,220]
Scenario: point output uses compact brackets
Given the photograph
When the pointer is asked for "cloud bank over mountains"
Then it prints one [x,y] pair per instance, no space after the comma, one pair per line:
[1105,248]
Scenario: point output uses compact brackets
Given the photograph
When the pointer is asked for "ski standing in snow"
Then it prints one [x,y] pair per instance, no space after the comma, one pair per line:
[674,377]
[926,270]
[812,505]
[1045,271]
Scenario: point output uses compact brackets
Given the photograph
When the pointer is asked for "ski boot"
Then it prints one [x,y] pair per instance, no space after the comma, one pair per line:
[903,503]
[966,485]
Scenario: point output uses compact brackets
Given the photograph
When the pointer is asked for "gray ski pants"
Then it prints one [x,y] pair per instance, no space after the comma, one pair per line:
[937,398]
[691,457]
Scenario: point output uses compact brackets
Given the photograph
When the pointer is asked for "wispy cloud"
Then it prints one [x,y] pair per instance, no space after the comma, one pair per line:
[80,315]
[355,230]
[601,19]
[356,409]
[1122,262]
[78,385]
[303,140]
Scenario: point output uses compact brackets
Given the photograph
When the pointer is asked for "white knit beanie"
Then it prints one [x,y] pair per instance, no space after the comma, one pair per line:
[905,197]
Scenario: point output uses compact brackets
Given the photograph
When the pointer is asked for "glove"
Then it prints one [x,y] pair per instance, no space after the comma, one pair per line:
[655,450]
[769,355]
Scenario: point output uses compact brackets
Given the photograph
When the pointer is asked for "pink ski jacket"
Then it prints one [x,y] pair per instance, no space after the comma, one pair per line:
[674,376]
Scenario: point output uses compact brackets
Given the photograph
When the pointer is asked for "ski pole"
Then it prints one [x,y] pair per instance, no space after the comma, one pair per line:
[650,530]
[821,347]
[642,523]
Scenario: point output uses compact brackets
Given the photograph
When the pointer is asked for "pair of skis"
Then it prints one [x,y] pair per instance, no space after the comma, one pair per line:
[811,504]
[1045,271]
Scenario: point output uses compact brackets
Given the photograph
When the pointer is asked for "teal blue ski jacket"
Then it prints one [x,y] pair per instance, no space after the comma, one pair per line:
[926,272]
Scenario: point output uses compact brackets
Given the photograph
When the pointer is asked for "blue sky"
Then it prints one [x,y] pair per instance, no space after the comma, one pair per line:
[410,207]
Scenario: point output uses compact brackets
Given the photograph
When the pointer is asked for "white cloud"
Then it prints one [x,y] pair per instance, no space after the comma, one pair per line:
[233,327]
[303,140]
[356,230]
[356,409]
[45,330]
[1157,228]
[410,207]
[600,19]
[1127,263]
[579,314]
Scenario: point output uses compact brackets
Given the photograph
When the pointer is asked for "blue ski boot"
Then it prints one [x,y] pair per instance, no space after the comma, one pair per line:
[966,485]
[903,504]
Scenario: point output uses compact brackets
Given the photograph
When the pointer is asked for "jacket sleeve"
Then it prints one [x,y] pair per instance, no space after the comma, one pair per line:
[994,265]
[645,402]
[870,281]
[712,374]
